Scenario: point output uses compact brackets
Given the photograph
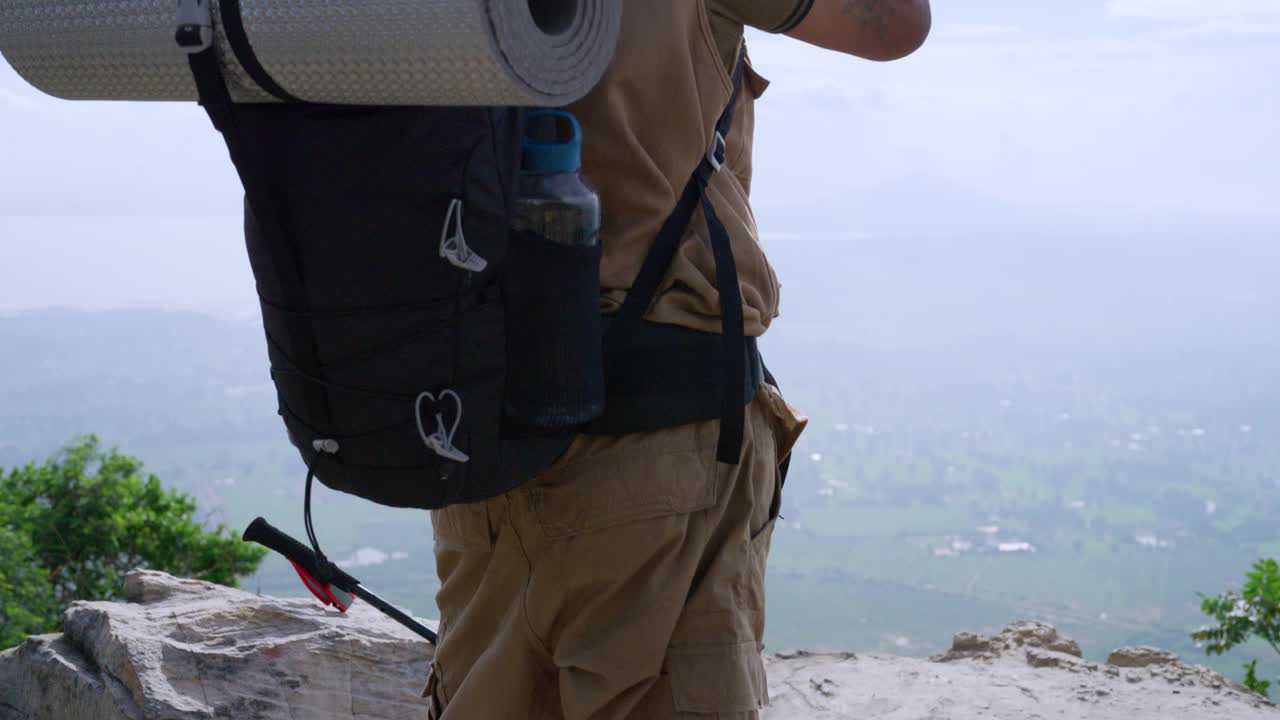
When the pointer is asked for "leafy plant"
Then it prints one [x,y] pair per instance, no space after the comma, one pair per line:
[83,519]
[1253,612]
[27,604]
[1251,680]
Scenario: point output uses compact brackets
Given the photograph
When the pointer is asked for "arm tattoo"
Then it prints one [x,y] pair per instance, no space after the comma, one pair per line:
[877,16]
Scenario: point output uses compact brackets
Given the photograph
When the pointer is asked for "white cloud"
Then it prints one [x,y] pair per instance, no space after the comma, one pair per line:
[13,101]
[1226,28]
[59,157]
[1140,118]
[967,31]
[1150,112]
[1197,11]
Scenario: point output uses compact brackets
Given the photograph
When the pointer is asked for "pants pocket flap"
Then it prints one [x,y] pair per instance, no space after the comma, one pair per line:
[618,489]
[718,679]
[433,693]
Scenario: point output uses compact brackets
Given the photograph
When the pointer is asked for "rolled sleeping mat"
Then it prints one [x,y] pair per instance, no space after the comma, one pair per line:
[345,52]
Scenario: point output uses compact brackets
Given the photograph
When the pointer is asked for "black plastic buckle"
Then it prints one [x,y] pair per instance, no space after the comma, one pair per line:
[194,33]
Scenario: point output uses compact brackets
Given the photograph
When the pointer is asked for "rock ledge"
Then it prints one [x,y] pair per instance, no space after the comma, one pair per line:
[184,649]
[187,650]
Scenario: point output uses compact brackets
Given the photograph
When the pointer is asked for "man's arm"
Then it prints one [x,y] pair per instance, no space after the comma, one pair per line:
[871,29]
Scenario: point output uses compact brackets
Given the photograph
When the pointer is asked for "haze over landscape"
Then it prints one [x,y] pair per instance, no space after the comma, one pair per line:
[1029,305]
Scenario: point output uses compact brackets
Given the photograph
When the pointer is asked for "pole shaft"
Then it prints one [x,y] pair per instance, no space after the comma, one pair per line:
[394,613]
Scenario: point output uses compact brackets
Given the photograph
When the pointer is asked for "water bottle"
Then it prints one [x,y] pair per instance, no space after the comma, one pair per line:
[555,376]
[554,200]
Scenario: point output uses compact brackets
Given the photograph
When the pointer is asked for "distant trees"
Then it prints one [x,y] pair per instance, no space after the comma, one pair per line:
[1253,612]
[71,528]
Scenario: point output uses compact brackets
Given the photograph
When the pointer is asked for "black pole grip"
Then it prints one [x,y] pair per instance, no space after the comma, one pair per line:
[267,535]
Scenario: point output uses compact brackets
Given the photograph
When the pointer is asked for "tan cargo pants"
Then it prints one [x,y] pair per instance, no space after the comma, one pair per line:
[625,582]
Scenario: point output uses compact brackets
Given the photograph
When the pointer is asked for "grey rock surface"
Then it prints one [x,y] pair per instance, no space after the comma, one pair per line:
[47,677]
[1027,672]
[968,646]
[1142,656]
[181,650]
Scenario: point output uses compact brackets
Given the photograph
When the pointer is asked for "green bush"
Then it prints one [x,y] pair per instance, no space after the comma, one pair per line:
[78,522]
[1253,612]
[27,605]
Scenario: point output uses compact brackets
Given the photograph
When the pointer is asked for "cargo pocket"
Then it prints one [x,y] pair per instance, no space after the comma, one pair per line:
[630,484]
[555,332]
[761,541]
[434,694]
[786,425]
[787,422]
[718,679]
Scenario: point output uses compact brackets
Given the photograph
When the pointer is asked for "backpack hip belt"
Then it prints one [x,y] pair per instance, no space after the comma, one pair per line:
[663,375]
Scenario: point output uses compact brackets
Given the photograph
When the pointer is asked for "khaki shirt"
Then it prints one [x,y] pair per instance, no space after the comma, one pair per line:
[648,125]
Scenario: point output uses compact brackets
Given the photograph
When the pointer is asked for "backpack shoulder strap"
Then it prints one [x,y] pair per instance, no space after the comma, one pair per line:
[656,264]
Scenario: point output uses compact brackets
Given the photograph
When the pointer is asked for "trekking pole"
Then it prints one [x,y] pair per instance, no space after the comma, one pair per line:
[304,561]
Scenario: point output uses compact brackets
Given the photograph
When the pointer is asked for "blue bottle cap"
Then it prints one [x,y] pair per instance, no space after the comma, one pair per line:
[552,142]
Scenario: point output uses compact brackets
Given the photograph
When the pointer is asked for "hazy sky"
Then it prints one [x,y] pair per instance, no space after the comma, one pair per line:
[1149,105]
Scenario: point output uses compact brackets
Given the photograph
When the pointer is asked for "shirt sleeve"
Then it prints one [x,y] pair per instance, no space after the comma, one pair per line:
[774,16]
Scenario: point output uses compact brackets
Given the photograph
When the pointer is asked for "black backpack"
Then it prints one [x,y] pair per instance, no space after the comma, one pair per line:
[400,310]
[387,325]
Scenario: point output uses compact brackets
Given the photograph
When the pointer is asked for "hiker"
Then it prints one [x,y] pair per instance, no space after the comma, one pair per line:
[627,579]
[577,396]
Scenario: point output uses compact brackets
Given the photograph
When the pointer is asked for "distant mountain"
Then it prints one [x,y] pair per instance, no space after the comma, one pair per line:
[949,387]
[148,380]
[156,344]
[916,262]
[921,206]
